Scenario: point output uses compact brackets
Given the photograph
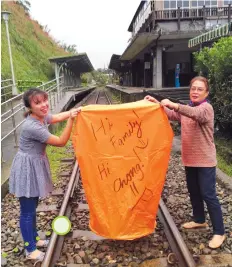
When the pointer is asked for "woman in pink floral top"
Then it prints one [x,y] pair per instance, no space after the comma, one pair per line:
[198,156]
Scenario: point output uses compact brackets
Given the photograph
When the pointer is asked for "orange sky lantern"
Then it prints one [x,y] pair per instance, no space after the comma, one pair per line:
[123,153]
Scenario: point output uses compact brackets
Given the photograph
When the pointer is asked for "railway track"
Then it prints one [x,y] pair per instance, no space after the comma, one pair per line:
[180,254]
[56,241]
[74,205]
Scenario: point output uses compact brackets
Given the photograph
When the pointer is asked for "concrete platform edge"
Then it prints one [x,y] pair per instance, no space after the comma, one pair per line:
[224,179]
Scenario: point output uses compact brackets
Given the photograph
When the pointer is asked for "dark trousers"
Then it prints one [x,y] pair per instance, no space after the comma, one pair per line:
[28,221]
[201,182]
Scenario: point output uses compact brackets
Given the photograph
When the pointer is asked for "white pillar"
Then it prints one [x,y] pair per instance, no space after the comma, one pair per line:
[57,79]
[157,68]
[68,77]
[14,89]
[62,73]
[64,78]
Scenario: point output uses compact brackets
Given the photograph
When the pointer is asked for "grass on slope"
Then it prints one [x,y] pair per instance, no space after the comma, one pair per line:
[31,46]
[55,154]
[224,155]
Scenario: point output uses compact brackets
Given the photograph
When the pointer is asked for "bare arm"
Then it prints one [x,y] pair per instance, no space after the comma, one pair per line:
[63,139]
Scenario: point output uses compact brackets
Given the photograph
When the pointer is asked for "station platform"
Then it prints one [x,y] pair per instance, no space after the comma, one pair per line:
[130,94]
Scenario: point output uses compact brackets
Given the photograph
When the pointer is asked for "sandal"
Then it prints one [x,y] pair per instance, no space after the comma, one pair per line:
[217,241]
[192,225]
[44,244]
[39,257]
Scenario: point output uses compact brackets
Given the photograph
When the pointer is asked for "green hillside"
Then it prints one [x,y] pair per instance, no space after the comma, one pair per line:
[31,46]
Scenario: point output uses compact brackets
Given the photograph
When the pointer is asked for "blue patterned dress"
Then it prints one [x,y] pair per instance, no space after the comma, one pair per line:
[30,171]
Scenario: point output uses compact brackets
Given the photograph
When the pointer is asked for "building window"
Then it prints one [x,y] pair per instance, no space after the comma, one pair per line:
[214,3]
[174,4]
[201,3]
[185,4]
[179,3]
[227,2]
[166,4]
[194,3]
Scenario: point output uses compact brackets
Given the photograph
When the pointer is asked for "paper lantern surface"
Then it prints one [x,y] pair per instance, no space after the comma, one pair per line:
[123,153]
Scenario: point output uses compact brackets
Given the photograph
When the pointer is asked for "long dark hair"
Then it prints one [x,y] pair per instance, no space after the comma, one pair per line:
[31,94]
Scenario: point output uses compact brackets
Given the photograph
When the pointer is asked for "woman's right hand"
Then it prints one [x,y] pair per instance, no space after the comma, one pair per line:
[64,137]
[74,112]
[151,99]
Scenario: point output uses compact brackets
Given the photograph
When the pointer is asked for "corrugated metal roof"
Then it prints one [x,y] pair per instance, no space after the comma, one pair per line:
[115,62]
[224,30]
[79,63]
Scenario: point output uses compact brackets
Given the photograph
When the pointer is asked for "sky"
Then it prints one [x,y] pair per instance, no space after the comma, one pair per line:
[98,28]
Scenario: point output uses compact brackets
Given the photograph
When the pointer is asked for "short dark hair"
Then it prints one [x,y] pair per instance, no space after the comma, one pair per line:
[29,94]
[202,79]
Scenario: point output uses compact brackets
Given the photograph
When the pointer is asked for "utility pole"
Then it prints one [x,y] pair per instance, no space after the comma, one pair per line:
[5,16]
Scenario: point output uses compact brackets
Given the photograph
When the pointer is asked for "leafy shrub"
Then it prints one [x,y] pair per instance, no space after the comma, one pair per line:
[216,64]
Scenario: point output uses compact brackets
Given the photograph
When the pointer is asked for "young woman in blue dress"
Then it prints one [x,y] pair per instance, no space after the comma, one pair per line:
[30,176]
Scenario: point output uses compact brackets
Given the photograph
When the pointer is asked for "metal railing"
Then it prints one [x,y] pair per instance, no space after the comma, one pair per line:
[179,13]
[6,89]
[11,110]
[189,13]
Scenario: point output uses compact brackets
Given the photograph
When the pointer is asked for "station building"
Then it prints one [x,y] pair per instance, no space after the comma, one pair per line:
[160,32]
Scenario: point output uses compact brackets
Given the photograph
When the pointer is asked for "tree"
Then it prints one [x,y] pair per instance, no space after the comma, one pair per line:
[68,48]
[216,64]
[86,78]
[72,49]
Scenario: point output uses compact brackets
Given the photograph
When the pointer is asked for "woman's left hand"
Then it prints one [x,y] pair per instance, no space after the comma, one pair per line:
[169,104]
[74,112]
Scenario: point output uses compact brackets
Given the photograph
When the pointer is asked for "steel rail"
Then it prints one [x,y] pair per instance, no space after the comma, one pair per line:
[107,97]
[183,256]
[54,238]
[97,97]
[56,242]
[174,237]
